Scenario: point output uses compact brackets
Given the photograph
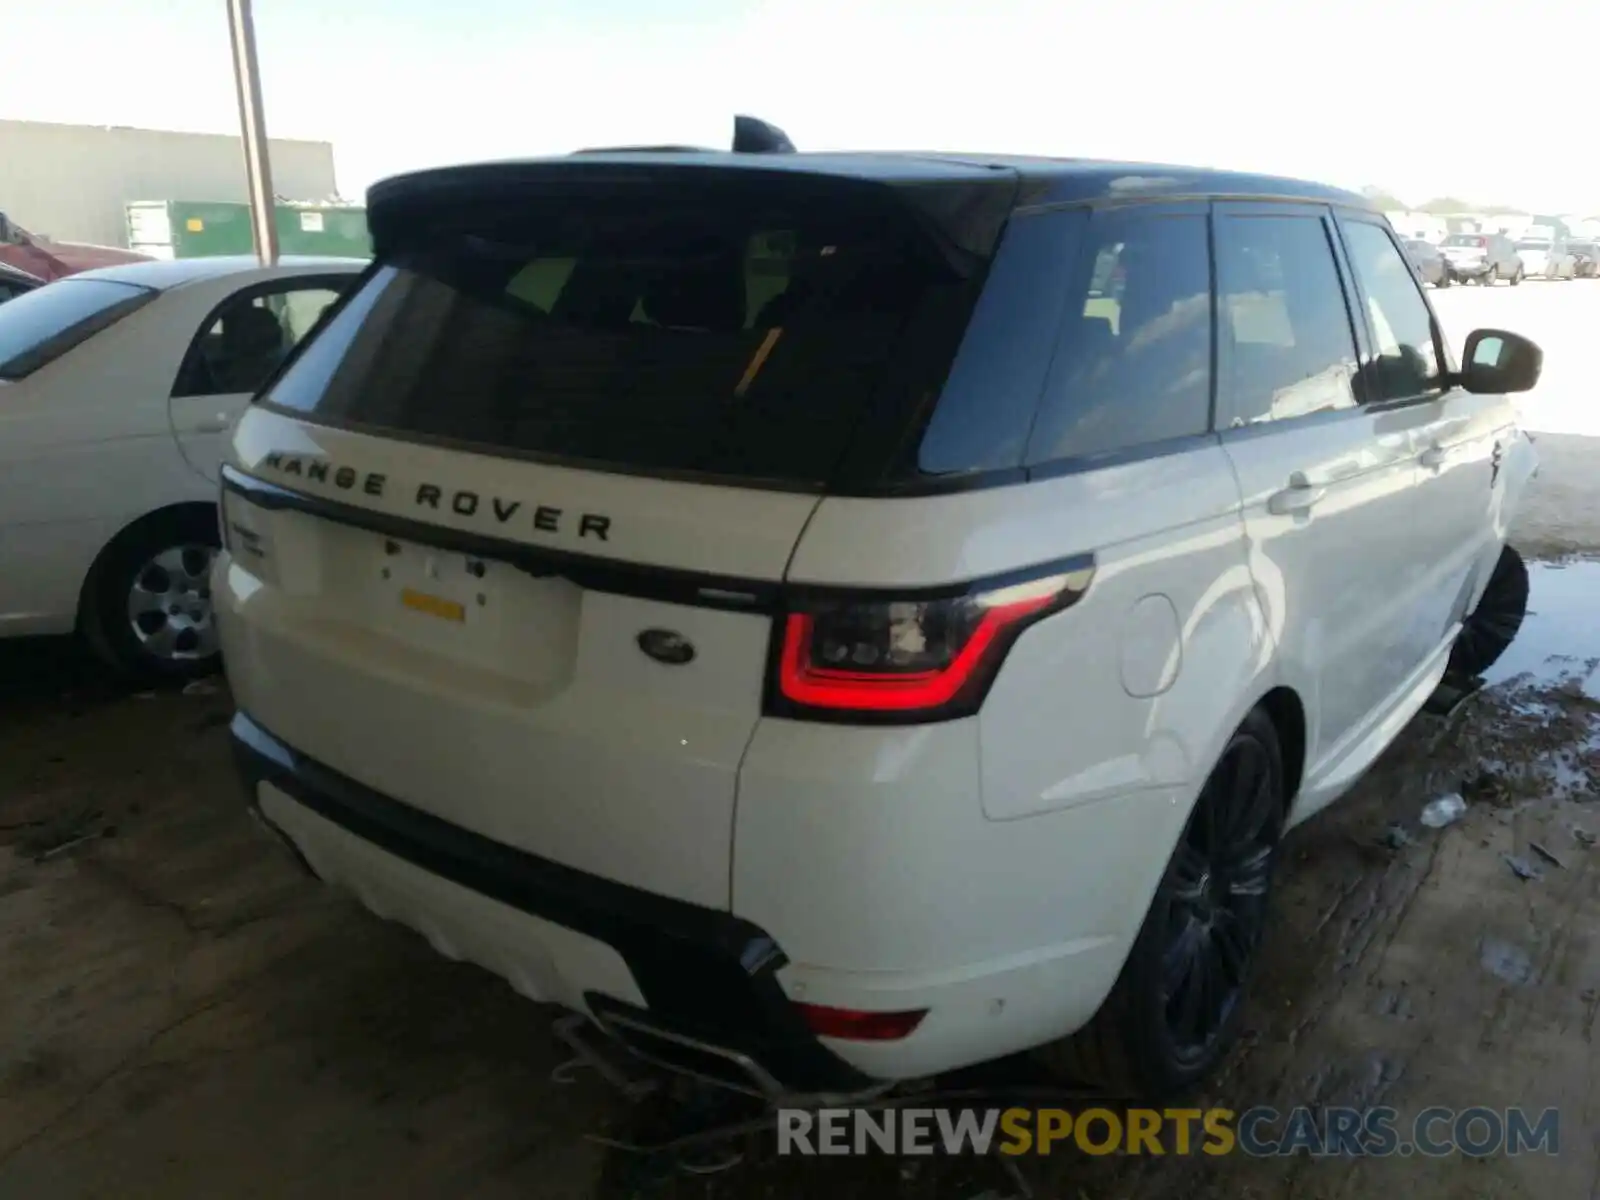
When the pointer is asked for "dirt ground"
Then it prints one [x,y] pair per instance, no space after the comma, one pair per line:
[184,1014]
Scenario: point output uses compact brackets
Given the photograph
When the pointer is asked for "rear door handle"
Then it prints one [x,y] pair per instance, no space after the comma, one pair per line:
[216,424]
[1433,457]
[1298,497]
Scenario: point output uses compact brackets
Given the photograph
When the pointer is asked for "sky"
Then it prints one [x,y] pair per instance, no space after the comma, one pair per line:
[1422,97]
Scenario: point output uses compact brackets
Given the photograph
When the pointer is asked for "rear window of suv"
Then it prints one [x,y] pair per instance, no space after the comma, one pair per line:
[746,340]
[39,326]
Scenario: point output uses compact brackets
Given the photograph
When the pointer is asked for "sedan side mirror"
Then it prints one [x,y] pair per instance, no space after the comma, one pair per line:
[1497,362]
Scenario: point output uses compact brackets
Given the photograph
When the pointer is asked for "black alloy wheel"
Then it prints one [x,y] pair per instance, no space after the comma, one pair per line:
[1215,896]
[1175,1010]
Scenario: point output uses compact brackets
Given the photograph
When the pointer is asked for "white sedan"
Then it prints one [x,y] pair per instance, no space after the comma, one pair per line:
[117,388]
[1545,258]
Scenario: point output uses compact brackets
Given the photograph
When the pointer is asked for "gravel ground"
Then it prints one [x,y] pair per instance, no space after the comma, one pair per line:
[186,1015]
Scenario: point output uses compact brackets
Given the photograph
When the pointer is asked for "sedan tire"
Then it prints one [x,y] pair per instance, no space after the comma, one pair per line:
[146,610]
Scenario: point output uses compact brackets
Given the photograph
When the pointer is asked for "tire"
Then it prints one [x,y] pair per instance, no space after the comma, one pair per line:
[146,608]
[1517,276]
[1488,277]
[1131,1048]
[1493,624]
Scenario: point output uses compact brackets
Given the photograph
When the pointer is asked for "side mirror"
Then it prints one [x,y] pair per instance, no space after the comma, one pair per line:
[1497,362]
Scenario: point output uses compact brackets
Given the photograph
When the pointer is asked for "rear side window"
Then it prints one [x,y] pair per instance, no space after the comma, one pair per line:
[40,326]
[1134,364]
[744,338]
[1284,334]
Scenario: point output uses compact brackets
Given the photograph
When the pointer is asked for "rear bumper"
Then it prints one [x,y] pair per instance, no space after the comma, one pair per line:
[711,1000]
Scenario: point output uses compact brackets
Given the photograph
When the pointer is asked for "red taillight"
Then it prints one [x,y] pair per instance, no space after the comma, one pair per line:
[914,657]
[853,1025]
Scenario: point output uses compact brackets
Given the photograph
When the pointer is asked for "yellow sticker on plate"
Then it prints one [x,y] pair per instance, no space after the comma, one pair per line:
[434,606]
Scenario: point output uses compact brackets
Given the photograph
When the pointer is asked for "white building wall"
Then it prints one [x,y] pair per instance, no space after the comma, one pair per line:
[70,182]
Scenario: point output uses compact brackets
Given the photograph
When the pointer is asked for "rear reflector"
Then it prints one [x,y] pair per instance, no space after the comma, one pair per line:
[853,1025]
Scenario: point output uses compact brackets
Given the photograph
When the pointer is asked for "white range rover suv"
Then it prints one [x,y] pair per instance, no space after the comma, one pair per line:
[838,618]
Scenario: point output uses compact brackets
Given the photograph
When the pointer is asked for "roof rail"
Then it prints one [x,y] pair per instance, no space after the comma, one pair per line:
[751,135]
[642,150]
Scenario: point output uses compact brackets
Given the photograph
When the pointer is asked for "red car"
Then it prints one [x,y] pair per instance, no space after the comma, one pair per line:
[51,260]
[14,282]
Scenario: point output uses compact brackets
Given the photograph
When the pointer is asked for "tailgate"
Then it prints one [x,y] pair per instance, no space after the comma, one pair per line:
[507,530]
[500,685]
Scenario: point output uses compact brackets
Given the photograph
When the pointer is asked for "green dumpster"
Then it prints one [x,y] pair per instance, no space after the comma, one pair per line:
[205,229]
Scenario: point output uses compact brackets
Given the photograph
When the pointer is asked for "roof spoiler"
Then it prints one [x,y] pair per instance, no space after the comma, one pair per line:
[751,135]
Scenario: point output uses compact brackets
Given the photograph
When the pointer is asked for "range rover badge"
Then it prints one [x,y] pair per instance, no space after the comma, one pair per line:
[665,646]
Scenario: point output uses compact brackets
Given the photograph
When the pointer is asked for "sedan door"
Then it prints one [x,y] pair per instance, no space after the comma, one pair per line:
[235,351]
[1326,480]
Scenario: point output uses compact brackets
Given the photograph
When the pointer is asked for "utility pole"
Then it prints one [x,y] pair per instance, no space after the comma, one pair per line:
[253,124]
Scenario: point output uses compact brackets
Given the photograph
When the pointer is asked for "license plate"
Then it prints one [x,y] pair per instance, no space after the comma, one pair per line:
[433,606]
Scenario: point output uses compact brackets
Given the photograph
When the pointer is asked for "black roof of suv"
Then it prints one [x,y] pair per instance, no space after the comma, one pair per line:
[1040,180]
[856,323]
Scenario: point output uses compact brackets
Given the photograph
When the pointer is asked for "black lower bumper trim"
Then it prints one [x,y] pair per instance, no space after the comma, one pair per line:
[705,974]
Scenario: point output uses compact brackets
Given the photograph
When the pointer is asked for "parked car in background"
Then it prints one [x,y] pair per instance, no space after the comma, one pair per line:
[1546,257]
[13,282]
[744,604]
[1483,258]
[1585,258]
[1429,261]
[117,390]
[54,260]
